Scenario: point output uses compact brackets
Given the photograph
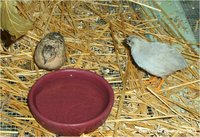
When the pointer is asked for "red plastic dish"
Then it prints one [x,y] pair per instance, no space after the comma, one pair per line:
[71,101]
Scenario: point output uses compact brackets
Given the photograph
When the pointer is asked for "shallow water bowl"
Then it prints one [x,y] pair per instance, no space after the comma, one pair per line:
[71,101]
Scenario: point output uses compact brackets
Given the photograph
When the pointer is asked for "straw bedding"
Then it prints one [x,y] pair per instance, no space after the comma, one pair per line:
[94,33]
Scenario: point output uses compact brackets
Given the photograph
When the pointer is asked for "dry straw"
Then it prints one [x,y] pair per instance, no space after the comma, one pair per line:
[94,32]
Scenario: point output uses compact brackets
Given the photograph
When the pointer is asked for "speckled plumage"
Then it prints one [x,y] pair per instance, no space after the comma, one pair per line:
[50,51]
[157,58]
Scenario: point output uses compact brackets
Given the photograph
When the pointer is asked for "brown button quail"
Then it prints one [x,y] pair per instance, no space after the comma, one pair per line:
[50,52]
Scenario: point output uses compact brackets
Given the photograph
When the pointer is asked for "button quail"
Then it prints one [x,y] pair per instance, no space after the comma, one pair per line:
[50,52]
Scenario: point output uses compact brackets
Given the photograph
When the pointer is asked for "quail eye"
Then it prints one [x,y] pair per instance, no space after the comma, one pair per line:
[129,41]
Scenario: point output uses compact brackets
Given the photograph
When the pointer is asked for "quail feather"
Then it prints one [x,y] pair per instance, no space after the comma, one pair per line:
[156,58]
